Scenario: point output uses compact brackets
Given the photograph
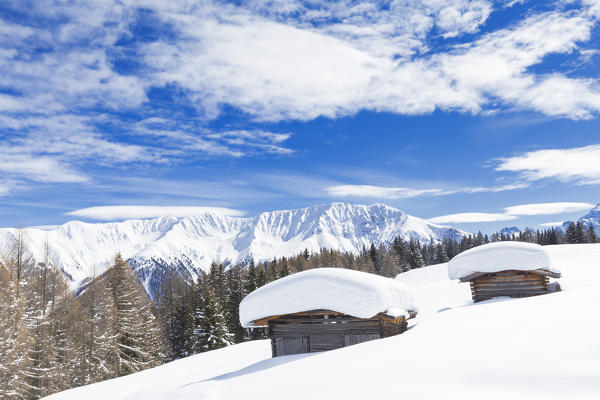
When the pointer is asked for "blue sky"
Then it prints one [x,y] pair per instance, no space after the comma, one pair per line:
[434,107]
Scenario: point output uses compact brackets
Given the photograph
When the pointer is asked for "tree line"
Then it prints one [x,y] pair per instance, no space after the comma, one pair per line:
[53,339]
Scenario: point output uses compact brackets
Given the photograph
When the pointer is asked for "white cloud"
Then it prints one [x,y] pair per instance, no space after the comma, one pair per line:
[338,68]
[4,189]
[551,224]
[369,191]
[463,16]
[384,192]
[580,165]
[41,169]
[547,208]
[471,217]
[109,213]
[273,59]
[502,188]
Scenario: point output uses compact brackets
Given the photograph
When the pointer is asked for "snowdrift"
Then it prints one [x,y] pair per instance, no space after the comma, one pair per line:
[349,292]
[543,347]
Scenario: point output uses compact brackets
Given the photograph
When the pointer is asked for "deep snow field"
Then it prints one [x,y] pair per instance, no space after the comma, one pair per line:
[534,348]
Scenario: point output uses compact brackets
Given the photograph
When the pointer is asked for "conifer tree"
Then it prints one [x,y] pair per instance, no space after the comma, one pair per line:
[211,329]
[101,347]
[440,254]
[139,337]
[14,338]
[415,257]
[170,310]
[261,278]
[251,283]
[67,331]
[306,254]
[591,235]
[236,295]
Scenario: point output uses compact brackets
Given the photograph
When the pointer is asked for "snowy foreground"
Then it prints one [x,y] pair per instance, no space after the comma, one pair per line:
[534,348]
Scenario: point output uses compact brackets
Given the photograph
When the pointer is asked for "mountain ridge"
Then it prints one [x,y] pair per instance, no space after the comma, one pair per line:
[188,245]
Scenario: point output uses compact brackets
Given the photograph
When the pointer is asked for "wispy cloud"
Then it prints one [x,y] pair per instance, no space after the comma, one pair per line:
[372,62]
[41,169]
[78,85]
[547,208]
[370,191]
[471,217]
[580,165]
[110,213]
[384,192]
[515,212]
[551,224]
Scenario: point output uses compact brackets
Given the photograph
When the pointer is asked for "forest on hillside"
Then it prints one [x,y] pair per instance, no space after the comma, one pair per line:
[53,339]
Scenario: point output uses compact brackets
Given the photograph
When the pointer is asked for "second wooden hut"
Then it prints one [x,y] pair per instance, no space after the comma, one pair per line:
[511,269]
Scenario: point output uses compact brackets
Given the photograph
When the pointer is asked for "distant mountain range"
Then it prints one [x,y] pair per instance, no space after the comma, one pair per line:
[189,245]
[509,231]
[592,218]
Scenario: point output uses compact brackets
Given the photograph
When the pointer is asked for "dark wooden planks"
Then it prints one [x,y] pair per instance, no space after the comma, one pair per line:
[541,272]
[321,331]
[510,284]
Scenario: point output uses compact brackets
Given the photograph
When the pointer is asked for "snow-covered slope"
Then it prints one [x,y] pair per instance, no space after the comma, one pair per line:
[544,347]
[190,244]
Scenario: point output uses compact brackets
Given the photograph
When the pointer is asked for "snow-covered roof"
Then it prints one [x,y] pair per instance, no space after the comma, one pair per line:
[355,293]
[499,256]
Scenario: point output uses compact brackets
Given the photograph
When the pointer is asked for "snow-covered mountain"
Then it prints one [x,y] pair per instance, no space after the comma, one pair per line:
[592,218]
[190,244]
[510,230]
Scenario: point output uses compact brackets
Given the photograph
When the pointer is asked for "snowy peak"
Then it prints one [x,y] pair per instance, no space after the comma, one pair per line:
[594,213]
[510,230]
[190,244]
[592,218]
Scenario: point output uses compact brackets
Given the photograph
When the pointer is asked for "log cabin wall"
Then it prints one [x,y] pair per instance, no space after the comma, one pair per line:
[509,284]
[292,334]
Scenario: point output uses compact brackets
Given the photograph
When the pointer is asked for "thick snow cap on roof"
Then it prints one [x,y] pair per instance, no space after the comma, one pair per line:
[499,256]
[355,293]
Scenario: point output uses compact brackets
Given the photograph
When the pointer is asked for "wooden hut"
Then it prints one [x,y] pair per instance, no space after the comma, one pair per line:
[511,269]
[326,309]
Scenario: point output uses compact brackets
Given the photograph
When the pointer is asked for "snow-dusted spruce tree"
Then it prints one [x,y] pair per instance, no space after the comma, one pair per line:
[211,329]
[235,284]
[68,332]
[591,235]
[218,283]
[14,338]
[42,369]
[415,258]
[440,254]
[139,337]
[251,282]
[177,315]
[100,331]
